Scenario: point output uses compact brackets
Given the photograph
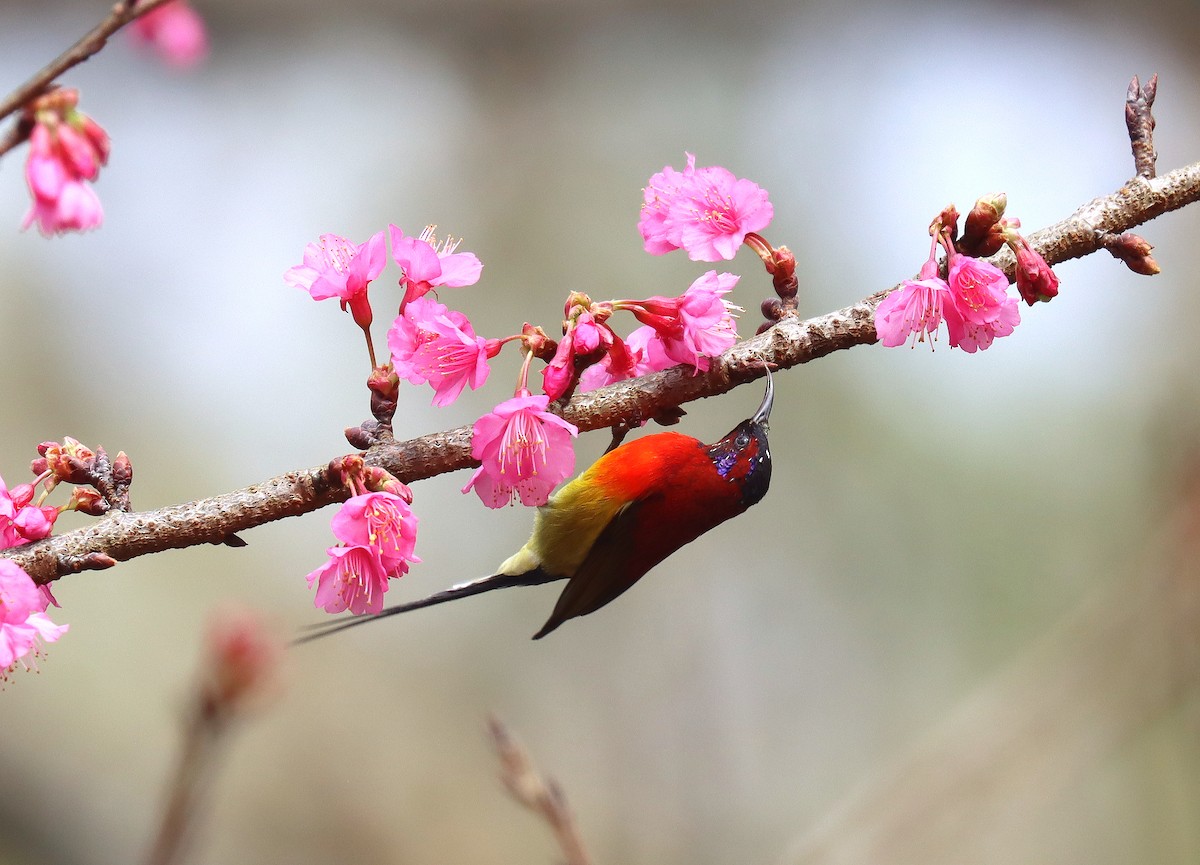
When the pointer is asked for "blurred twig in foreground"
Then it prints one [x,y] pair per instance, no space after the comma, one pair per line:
[540,795]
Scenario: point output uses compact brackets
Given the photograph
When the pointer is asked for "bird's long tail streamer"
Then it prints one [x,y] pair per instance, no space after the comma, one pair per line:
[535,577]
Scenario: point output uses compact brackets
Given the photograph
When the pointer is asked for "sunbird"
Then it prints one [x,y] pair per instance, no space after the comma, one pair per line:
[631,509]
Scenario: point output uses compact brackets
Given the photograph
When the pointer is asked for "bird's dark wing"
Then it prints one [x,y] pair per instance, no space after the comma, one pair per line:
[605,572]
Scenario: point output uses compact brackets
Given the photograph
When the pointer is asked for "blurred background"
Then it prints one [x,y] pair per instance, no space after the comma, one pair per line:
[893,610]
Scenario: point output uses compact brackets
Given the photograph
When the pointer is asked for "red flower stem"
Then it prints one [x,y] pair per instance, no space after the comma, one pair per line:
[370,346]
[762,248]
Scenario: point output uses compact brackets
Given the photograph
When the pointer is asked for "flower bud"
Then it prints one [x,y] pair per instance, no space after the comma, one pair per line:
[87,502]
[361,437]
[1035,279]
[1134,250]
[380,480]
[947,219]
[122,469]
[772,309]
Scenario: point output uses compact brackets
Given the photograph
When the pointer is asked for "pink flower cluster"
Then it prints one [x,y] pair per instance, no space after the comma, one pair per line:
[705,211]
[66,151]
[688,329]
[428,342]
[176,31]
[378,532]
[525,450]
[973,301]
[23,621]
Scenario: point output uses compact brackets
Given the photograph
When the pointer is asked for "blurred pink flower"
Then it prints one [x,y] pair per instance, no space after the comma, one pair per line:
[243,660]
[428,265]
[176,31]
[525,452]
[66,150]
[430,343]
[336,267]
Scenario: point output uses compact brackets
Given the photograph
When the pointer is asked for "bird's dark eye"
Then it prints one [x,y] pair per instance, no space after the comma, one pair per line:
[742,441]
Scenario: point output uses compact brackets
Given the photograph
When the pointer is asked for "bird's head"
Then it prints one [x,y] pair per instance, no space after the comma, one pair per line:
[744,456]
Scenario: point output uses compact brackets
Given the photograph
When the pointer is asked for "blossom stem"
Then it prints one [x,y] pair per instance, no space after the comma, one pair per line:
[523,378]
[370,346]
[762,248]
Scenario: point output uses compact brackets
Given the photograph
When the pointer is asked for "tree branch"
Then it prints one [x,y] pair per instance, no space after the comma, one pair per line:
[121,14]
[123,536]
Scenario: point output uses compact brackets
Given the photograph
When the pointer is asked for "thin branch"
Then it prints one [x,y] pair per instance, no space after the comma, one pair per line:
[540,795]
[123,536]
[121,14]
[1140,123]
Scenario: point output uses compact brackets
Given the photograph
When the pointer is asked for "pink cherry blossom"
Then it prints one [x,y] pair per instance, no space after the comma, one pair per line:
[914,309]
[23,623]
[978,288]
[354,578]
[645,352]
[696,325]
[337,267]
[430,343]
[972,336]
[708,211]
[525,452]
[176,31]
[66,150]
[20,520]
[19,595]
[383,522]
[661,190]
[428,265]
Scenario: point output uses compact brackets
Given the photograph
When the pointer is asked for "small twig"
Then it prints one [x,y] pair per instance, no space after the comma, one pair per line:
[1140,123]
[121,14]
[540,795]
[192,775]
[239,671]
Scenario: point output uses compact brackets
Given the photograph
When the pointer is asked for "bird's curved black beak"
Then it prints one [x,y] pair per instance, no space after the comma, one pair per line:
[764,410]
